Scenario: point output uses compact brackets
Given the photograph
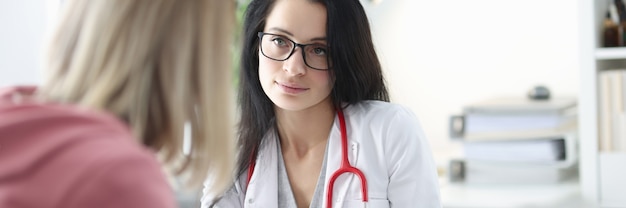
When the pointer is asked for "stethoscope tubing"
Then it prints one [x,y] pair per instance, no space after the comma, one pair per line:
[345,166]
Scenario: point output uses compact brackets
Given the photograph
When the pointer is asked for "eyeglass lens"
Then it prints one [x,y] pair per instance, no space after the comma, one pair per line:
[280,48]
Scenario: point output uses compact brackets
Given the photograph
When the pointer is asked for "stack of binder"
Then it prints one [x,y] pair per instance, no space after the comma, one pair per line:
[516,140]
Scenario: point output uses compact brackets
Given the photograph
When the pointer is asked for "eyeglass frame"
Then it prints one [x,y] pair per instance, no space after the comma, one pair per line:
[293,49]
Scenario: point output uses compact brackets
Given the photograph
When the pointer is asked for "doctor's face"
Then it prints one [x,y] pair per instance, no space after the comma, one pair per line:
[296,83]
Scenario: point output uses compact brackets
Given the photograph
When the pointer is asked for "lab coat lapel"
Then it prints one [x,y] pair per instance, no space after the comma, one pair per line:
[263,187]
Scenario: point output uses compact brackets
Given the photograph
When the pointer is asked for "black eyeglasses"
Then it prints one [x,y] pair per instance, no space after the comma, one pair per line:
[280,48]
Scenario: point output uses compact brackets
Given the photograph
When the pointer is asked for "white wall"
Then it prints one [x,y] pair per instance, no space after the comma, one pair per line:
[441,55]
[23,26]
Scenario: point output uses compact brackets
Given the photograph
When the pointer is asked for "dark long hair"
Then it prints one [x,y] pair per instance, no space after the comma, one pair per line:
[355,69]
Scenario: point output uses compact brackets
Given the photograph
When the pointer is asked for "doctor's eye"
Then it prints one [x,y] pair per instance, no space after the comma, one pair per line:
[318,50]
[280,41]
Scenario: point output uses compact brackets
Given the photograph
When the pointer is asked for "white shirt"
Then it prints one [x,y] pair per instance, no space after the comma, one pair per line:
[386,143]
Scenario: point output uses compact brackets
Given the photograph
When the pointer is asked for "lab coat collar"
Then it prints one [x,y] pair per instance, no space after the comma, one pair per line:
[263,186]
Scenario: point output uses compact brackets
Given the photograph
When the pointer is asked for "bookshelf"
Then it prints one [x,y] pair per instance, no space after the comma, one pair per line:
[602,174]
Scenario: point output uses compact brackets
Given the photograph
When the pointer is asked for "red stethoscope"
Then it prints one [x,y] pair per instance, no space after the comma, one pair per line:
[344,168]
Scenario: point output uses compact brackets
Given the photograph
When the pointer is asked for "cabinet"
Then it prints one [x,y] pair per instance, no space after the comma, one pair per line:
[602,174]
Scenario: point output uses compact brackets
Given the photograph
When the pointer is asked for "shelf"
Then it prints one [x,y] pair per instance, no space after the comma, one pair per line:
[611,53]
[601,173]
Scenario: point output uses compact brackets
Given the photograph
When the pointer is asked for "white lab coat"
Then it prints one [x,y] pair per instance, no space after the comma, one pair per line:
[385,142]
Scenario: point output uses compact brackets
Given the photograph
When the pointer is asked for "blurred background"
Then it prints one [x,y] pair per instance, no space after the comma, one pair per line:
[439,58]
[442,55]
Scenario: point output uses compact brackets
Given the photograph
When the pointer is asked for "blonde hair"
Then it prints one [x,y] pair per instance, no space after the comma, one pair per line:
[157,65]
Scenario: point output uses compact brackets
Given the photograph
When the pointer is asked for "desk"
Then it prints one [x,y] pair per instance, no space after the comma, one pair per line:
[563,195]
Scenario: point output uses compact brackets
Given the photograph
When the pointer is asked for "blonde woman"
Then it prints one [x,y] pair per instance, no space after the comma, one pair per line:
[122,80]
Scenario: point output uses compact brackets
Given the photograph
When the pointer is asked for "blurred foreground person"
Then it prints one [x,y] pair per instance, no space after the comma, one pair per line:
[122,78]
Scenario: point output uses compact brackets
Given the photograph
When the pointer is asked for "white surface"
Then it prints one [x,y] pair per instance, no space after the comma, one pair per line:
[563,195]
[612,183]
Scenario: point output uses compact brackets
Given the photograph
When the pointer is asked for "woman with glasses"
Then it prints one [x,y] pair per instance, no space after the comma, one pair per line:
[316,128]
[123,79]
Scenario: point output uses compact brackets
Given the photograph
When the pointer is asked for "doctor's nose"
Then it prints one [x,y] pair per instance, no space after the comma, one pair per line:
[295,65]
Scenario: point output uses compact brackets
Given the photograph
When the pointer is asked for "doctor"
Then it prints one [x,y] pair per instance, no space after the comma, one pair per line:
[316,128]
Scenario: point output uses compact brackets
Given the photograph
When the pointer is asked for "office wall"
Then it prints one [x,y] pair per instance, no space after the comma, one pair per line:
[23,28]
[441,55]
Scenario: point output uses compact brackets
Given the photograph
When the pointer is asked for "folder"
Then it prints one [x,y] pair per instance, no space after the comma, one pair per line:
[514,118]
[498,169]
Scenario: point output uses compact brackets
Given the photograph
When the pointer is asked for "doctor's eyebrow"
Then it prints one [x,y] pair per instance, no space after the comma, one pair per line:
[291,34]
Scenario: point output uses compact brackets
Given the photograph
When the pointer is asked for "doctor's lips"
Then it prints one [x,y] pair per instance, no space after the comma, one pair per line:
[291,88]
